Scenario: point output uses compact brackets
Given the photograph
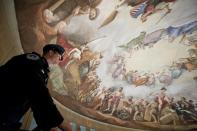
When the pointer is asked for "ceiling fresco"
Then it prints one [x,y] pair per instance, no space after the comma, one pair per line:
[126,61]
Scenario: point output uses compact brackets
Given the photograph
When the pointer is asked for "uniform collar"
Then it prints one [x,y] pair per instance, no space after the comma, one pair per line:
[44,61]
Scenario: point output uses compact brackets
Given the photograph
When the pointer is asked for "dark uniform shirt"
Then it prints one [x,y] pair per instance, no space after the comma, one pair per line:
[23,82]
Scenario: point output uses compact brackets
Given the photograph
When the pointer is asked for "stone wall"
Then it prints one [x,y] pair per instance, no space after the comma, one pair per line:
[9,35]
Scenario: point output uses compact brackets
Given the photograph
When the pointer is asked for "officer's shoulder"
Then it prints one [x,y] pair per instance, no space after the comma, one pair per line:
[33,56]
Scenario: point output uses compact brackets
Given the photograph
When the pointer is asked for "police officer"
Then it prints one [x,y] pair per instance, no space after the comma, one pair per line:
[23,82]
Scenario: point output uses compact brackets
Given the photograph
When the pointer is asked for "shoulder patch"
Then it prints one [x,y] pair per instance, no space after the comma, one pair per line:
[32,57]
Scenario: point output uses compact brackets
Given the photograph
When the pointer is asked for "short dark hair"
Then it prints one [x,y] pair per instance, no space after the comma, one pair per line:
[54,47]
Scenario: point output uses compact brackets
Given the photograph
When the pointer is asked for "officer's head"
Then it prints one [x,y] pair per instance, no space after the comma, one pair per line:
[55,49]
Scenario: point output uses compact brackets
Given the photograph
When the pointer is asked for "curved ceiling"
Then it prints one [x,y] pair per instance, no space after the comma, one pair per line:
[138,60]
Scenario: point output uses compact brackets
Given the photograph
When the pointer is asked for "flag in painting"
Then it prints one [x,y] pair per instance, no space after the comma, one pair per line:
[136,11]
